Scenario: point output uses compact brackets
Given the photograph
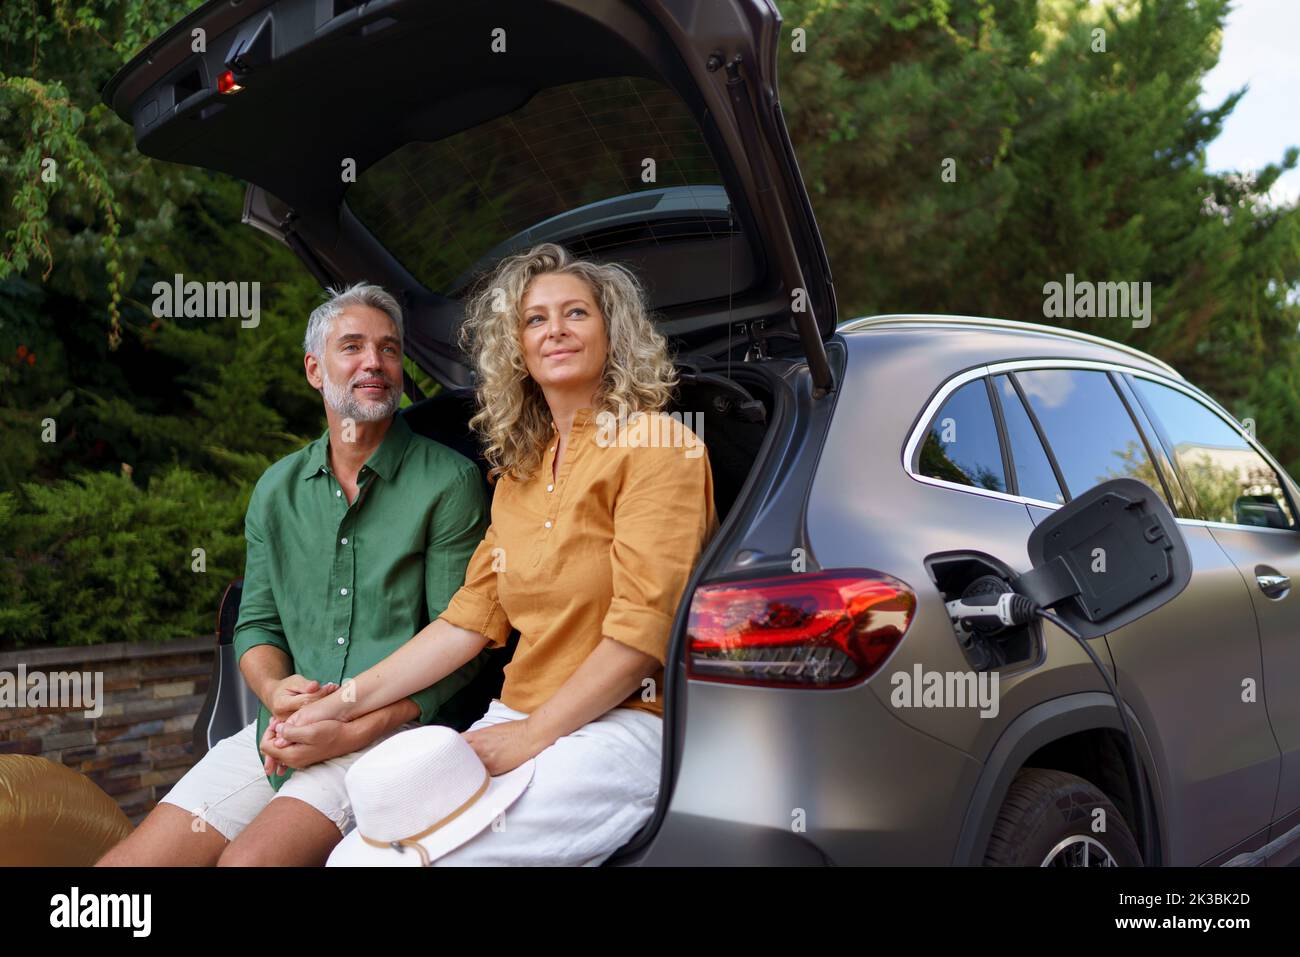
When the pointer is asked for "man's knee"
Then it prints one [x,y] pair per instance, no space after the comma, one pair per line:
[168,836]
[243,854]
[288,833]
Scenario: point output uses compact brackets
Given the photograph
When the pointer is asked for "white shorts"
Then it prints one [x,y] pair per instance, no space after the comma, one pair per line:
[591,791]
[228,787]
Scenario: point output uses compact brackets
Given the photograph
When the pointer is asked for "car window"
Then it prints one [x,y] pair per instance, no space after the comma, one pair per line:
[1090,431]
[961,444]
[1229,480]
[444,209]
[1034,475]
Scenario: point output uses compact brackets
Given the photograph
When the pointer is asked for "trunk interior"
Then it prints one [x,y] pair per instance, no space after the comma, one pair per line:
[736,414]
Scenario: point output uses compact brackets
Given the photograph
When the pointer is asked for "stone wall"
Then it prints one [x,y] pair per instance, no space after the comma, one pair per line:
[142,742]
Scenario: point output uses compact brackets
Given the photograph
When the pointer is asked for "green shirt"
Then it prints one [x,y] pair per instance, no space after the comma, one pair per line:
[340,587]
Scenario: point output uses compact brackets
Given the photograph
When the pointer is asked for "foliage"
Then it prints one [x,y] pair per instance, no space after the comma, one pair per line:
[1068,159]
[960,155]
[125,440]
[98,558]
[55,56]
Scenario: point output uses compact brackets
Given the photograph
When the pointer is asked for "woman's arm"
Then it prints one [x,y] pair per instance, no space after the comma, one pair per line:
[606,677]
[435,652]
[604,680]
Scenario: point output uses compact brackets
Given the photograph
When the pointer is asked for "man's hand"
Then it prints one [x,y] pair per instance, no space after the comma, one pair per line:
[304,746]
[293,692]
[503,747]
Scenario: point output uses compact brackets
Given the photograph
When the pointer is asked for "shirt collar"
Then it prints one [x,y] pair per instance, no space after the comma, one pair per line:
[584,417]
[387,459]
[384,461]
[316,457]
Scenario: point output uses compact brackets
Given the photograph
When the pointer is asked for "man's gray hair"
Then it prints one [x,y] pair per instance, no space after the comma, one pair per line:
[358,294]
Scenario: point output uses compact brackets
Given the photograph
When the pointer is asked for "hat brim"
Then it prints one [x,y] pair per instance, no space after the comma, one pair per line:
[503,790]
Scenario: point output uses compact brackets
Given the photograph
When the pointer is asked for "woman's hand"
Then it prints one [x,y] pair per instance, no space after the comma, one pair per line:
[503,747]
[294,692]
[330,708]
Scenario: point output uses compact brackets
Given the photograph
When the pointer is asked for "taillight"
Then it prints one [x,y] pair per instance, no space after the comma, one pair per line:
[813,630]
[226,83]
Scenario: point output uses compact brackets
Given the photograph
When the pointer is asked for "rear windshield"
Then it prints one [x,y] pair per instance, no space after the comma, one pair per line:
[446,209]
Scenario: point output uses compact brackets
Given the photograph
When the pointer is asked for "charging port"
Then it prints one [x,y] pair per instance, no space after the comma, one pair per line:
[954,574]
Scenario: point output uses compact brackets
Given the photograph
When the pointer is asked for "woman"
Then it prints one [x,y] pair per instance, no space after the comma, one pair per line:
[601,508]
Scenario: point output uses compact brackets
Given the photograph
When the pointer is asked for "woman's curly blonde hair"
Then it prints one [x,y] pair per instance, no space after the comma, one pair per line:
[513,418]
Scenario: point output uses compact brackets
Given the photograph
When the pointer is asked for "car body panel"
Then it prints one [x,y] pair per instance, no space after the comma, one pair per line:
[829,767]
[1266,551]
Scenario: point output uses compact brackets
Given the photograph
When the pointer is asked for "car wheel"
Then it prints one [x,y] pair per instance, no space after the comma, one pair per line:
[1048,820]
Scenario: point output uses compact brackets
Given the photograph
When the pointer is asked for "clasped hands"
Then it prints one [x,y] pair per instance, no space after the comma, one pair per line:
[308,725]
[309,745]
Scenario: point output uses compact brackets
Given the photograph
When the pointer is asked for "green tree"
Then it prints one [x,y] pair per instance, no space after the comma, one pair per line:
[1078,146]
[159,426]
[67,164]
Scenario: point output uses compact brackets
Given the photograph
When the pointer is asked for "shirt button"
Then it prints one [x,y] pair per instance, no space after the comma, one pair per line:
[341,639]
[548,524]
[343,541]
[343,591]
[550,488]
[338,493]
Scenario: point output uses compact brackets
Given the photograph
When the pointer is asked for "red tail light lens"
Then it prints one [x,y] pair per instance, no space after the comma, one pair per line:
[816,630]
[226,83]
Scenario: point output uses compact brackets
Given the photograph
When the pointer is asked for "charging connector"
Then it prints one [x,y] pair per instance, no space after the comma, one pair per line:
[988,613]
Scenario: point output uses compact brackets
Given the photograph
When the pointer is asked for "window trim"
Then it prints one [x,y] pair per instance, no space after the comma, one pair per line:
[1117,383]
[1000,427]
[1158,447]
[912,446]
[913,451]
[1037,426]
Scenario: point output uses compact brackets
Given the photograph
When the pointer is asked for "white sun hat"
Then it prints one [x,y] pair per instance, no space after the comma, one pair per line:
[418,795]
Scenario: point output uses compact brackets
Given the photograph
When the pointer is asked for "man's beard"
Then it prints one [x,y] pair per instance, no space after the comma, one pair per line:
[348,405]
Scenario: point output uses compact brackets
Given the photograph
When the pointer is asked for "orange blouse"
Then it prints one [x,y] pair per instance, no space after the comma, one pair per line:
[603,549]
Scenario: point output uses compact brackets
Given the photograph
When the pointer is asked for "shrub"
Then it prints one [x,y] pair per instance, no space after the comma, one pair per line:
[97,558]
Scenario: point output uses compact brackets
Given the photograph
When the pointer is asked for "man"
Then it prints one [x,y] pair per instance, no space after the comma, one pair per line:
[355,542]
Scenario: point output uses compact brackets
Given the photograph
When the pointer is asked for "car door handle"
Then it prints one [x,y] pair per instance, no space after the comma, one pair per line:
[1274,586]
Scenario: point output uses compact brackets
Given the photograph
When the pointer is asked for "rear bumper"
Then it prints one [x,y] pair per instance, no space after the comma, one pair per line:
[782,777]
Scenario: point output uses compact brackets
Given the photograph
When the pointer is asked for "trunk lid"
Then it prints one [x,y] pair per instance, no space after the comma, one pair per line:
[413,142]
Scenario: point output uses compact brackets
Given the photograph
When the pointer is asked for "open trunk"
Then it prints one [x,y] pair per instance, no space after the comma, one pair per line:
[413,143]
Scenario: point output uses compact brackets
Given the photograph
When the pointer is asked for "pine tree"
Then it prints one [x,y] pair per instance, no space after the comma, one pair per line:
[1079,148]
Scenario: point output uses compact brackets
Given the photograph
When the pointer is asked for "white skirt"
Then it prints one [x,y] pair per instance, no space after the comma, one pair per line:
[591,791]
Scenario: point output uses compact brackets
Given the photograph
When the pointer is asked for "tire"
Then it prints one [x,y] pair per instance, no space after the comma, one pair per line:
[1051,814]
